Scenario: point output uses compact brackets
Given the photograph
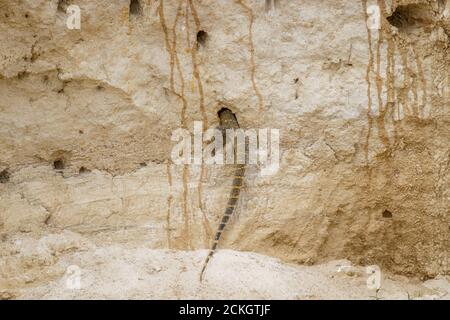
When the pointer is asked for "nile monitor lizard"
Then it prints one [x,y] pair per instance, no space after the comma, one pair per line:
[227,121]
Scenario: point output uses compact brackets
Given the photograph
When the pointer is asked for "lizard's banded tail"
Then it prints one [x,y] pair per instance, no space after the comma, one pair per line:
[231,206]
[210,254]
[227,121]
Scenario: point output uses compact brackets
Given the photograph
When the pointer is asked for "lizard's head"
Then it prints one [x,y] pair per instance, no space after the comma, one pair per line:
[227,118]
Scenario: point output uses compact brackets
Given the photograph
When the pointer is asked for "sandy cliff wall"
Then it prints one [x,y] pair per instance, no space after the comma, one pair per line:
[86,118]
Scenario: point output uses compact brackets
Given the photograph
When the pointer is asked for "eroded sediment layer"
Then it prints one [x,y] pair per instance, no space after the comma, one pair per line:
[86,119]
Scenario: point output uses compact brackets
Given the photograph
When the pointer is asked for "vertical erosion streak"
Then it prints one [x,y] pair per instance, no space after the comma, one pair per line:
[169,49]
[406,79]
[174,46]
[173,58]
[186,229]
[376,60]
[369,90]
[390,79]
[178,65]
[169,205]
[252,53]
[196,72]
[423,83]
[381,119]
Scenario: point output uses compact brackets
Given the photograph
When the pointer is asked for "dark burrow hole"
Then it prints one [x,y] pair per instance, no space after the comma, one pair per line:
[83,170]
[135,7]
[224,117]
[62,5]
[387,214]
[271,5]
[202,36]
[47,219]
[22,74]
[58,164]
[142,164]
[219,113]
[410,15]
[4,176]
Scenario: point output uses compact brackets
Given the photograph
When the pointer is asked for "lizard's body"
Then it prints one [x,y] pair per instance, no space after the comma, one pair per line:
[227,121]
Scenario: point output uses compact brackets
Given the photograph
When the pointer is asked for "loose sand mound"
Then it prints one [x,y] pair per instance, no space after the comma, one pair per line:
[47,268]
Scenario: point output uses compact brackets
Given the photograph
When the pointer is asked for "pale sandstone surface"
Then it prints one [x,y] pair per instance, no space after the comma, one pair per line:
[46,268]
[363,118]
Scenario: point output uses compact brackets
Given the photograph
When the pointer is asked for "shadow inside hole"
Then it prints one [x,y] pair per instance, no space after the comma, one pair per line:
[271,5]
[411,15]
[83,170]
[222,111]
[58,164]
[202,36]
[62,5]
[4,176]
[387,214]
[135,7]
